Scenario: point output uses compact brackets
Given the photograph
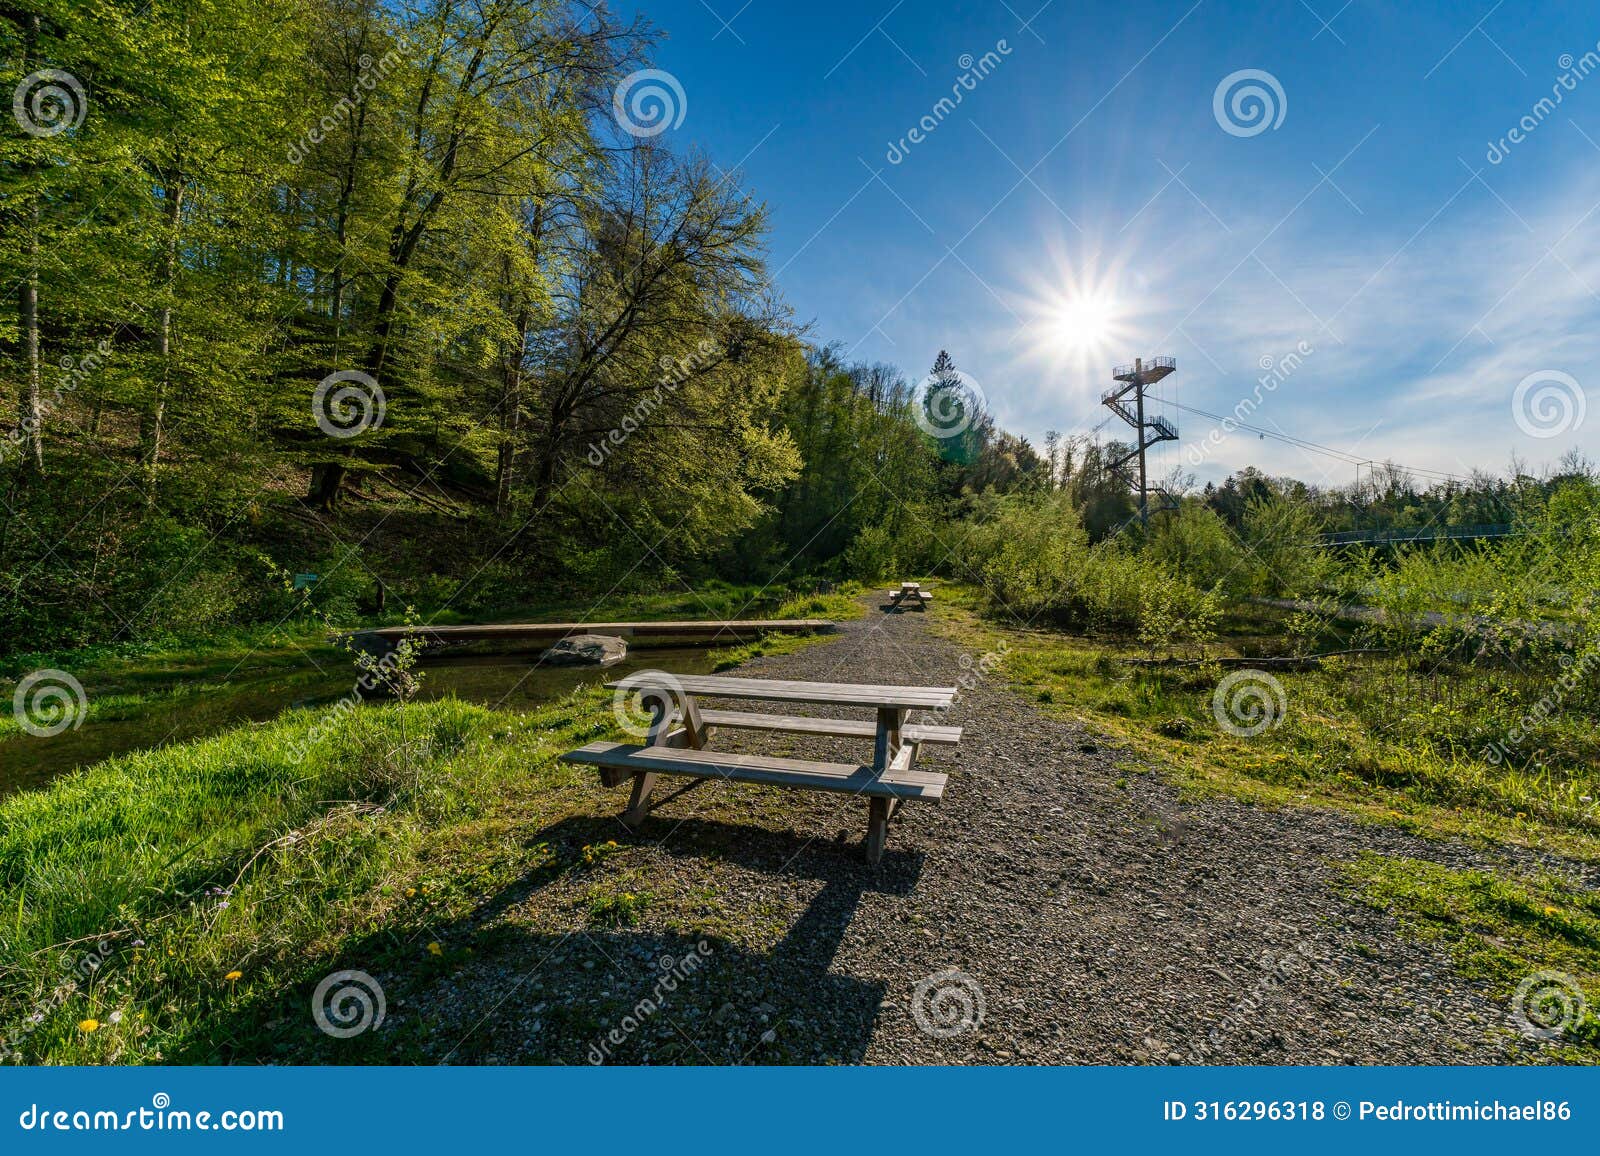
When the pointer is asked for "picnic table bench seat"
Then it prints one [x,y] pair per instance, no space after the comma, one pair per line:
[679,730]
[625,760]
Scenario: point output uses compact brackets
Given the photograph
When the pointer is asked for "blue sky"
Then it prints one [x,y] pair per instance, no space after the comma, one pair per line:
[1083,203]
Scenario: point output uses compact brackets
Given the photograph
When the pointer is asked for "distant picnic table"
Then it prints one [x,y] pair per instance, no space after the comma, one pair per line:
[912,592]
[680,728]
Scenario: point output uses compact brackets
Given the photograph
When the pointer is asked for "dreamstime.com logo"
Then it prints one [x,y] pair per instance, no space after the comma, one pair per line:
[48,102]
[1548,1004]
[649,102]
[973,71]
[948,1003]
[1548,403]
[944,405]
[1248,703]
[348,1003]
[355,407]
[1249,102]
[48,702]
[160,1116]
[643,695]
[1275,371]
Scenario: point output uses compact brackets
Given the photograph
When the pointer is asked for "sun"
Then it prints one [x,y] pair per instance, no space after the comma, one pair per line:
[1085,323]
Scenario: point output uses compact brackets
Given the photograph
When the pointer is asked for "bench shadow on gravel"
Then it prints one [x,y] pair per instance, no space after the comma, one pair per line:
[604,995]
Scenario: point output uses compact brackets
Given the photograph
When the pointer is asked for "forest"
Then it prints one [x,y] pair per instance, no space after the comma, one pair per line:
[401,300]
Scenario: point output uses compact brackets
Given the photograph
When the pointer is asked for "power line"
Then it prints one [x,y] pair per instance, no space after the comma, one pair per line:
[1315,447]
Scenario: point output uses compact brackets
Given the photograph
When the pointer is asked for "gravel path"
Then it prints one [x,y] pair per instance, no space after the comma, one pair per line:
[1091,914]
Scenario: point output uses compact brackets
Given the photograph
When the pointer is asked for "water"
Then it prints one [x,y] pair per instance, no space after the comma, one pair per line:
[509,682]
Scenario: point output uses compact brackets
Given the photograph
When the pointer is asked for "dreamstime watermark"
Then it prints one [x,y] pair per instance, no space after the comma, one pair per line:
[371,72]
[674,972]
[1275,371]
[948,1003]
[1275,972]
[76,371]
[356,406]
[674,372]
[80,973]
[973,70]
[648,102]
[1574,671]
[1548,403]
[944,405]
[159,1117]
[974,671]
[1547,1005]
[386,671]
[641,697]
[1572,71]
[347,1003]
[48,702]
[1248,703]
[48,102]
[1249,102]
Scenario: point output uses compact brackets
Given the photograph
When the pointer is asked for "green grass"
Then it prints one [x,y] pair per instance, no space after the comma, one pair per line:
[185,865]
[1501,931]
[841,605]
[1394,737]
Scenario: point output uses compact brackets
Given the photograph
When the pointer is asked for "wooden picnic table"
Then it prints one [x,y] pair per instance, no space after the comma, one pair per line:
[912,591]
[679,729]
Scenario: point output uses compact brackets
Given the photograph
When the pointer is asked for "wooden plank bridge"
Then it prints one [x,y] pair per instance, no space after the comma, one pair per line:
[384,638]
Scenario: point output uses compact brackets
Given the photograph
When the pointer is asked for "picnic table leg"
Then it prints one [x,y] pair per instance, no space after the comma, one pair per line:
[877,828]
[693,735]
[886,744]
[891,721]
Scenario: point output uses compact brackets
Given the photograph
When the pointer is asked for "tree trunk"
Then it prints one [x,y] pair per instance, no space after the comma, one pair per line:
[30,413]
[327,478]
[510,416]
[30,416]
[154,426]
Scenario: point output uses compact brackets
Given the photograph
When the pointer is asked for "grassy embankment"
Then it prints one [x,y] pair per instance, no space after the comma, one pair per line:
[215,882]
[1392,738]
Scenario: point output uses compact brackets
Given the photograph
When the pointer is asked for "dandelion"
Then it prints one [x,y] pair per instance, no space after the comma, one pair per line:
[410,891]
[435,949]
[233,975]
[88,1025]
[1552,911]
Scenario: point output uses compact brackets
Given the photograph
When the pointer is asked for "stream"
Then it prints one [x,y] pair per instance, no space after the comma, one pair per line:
[507,681]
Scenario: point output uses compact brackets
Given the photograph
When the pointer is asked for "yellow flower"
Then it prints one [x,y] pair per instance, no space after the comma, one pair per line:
[435,949]
[1552,911]
[233,975]
[88,1025]
[410,891]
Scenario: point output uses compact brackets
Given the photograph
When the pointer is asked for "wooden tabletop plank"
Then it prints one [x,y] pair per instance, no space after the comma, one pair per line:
[838,693]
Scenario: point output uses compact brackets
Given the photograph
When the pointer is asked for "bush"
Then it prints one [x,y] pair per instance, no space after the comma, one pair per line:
[1035,561]
[871,557]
